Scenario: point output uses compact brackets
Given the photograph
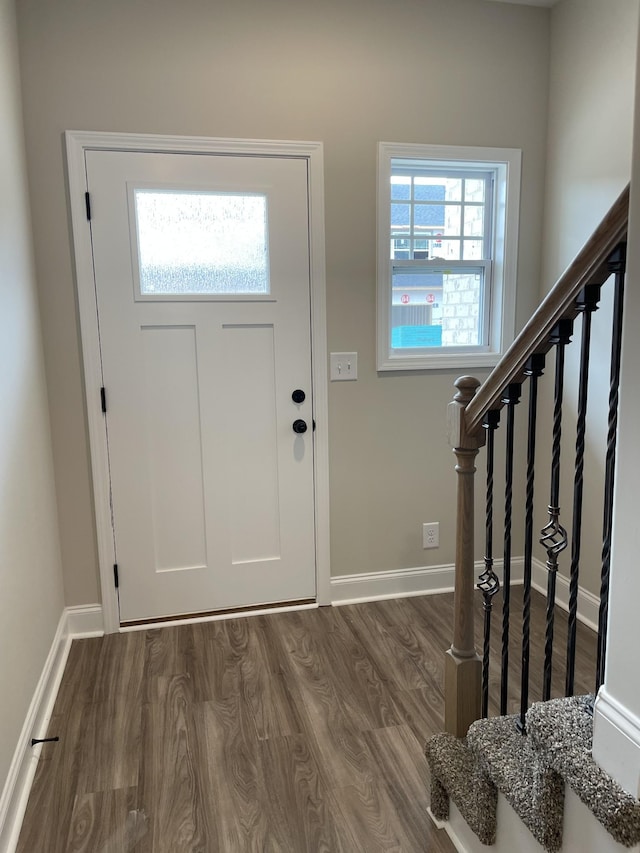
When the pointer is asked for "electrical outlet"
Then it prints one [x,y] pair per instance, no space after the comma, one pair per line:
[431,534]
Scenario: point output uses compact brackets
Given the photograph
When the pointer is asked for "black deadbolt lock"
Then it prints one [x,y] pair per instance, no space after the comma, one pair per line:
[298,396]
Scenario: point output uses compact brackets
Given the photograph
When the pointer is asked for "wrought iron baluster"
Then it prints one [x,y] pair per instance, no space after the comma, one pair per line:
[586,303]
[488,582]
[617,266]
[553,535]
[510,398]
[533,369]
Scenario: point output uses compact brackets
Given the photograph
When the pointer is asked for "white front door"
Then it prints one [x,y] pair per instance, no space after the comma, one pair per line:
[201,265]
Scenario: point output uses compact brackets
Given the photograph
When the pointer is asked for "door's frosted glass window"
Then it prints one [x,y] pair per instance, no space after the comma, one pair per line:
[202,243]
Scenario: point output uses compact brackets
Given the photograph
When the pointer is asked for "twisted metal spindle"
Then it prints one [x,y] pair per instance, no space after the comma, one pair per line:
[533,369]
[586,303]
[553,535]
[510,398]
[617,266]
[488,582]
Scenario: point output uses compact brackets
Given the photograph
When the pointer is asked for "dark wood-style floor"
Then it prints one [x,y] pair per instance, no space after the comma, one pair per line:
[289,733]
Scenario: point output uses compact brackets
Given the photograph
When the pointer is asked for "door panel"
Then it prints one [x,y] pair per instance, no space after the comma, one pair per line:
[212,491]
[254,502]
[171,424]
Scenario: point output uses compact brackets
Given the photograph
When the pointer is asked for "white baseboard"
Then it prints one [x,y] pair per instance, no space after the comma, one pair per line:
[85,621]
[398,583]
[75,622]
[402,583]
[15,794]
[431,580]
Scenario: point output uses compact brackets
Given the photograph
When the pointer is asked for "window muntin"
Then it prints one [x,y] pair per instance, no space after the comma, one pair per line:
[201,243]
[444,216]
[440,214]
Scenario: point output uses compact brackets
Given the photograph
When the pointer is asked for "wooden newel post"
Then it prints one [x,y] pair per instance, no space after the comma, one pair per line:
[463,666]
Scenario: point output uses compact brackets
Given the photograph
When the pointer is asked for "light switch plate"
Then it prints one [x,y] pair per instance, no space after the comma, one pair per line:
[344,366]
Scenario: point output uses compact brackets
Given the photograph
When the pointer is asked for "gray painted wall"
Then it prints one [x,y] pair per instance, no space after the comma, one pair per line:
[31,598]
[349,74]
[589,152]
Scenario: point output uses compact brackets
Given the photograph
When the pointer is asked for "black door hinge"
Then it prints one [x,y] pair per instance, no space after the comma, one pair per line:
[103,400]
[116,579]
[87,204]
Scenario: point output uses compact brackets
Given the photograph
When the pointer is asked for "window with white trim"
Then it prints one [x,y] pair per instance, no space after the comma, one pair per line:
[447,255]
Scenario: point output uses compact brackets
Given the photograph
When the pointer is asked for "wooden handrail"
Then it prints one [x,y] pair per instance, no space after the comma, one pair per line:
[592,266]
[589,267]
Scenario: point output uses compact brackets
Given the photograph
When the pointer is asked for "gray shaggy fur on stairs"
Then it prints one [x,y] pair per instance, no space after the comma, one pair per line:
[530,771]
[455,773]
[562,731]
[521,774]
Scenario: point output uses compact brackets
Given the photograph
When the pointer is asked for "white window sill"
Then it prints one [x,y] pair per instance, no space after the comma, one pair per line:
[463,361]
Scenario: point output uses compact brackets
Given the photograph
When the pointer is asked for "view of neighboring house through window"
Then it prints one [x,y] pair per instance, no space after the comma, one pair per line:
[443,229]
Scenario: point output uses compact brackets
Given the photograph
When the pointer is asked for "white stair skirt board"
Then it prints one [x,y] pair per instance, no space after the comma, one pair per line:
[581,831]
[616,741]
[75,622]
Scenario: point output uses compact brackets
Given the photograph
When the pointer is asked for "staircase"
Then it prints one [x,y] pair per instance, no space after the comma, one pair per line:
[530,757]
[531,771]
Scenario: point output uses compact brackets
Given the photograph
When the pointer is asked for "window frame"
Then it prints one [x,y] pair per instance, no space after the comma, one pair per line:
[501,268]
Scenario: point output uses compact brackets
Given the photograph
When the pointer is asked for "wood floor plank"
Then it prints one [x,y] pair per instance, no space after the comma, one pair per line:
[360,688]
[334,738]
[295,799]
[80,674]
[51,800]
[364,690]
[270,697]
[403,770]
[119,668]
[421,710]
[295,732]
[109,743]
[387,652]
[107,822]
[230,752]
[171,782]
[368,811]
[165,655]
[416,637]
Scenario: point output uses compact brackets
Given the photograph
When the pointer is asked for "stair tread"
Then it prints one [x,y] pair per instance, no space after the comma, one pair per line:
[455,769]
[530,771]
[533,789]
[562,731]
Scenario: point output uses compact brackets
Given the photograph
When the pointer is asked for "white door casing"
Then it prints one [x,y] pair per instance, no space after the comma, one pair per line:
[168,344]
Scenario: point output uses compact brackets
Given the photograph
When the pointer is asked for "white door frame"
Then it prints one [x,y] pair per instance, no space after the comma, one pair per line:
[77,142]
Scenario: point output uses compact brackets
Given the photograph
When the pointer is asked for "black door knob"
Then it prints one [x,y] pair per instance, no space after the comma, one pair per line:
[299,426]
[298,396]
